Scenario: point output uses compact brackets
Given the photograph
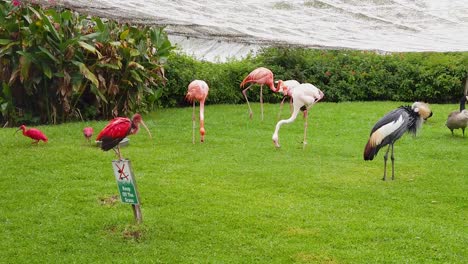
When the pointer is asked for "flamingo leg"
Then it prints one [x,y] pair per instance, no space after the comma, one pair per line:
[385,164]
[193,123]
[244,92]
[261,99]
[305,129]
[281,107]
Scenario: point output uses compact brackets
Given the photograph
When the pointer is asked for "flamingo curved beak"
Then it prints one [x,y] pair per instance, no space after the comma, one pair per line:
[147,130]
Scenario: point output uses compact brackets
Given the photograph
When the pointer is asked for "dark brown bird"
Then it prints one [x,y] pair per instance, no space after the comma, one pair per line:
[458,119]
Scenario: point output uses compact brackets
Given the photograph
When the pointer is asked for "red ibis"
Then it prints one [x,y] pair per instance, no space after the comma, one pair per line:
[117,129]
[33,133]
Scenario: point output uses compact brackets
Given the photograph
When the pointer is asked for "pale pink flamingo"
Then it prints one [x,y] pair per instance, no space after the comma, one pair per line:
[198,91]
[303,95]
[285,87]
[260,76]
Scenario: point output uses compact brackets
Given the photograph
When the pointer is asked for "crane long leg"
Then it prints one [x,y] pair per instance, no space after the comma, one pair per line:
[244,92]
[261,99]
[393,164]
[385,164]
[463,131]
[193,123]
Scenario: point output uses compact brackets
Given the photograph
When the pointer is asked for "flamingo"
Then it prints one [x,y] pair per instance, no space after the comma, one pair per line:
[393,126]
[285,87]
[260,76]
[306,95]
[117,129]
[33,133]
[88,133]
[198,91]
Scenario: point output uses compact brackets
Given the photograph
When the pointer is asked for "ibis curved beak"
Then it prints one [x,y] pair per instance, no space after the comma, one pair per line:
[147,130]
[17,131]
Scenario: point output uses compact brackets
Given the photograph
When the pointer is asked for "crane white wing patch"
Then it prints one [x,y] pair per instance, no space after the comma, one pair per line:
[385,130]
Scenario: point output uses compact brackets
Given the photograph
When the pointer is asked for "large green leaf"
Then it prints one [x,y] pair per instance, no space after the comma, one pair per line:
[45,51]
[47,71]
[134,53]
[6,48]
[50,28]
[136,76]
[87,73]
[108,65]
[124,34]
[97,92]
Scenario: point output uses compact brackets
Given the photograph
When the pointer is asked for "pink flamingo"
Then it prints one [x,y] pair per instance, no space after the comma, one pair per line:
[260,76]
[88,133]
[198,91]
[33,133]
[285,87]
[303,95]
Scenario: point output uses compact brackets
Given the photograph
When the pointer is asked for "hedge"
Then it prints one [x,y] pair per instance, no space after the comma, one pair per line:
[343,75]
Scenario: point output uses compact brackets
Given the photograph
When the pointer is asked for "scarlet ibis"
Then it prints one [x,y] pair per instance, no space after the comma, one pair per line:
[458,119]
[198,91]
[260,76]
[33,133]
[393,126]
[306,95]
[117,129]
[88,133]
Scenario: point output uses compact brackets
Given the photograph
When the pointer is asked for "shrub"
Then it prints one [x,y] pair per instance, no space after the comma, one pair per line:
[57,65]
[343,75]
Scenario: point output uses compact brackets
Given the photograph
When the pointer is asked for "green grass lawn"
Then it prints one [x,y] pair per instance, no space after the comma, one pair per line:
[235,198]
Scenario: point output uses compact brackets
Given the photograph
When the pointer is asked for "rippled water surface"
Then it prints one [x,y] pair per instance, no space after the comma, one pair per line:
[217,29]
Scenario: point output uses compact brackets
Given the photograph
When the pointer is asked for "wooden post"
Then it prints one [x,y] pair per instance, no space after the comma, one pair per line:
[137,213]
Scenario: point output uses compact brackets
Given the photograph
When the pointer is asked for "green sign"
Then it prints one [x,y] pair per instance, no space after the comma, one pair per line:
[125,181]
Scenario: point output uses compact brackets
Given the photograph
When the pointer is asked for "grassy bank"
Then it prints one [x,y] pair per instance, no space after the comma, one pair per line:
[235,198]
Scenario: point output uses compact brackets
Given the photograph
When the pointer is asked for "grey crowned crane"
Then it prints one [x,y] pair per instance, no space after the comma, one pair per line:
[393,126]
[458,119]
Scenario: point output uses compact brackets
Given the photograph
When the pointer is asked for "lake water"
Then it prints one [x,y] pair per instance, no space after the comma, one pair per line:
[214,30]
